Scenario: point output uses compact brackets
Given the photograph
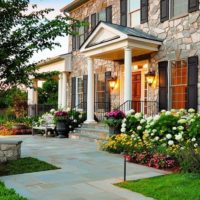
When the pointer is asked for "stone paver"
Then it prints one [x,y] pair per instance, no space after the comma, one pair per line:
[86,173]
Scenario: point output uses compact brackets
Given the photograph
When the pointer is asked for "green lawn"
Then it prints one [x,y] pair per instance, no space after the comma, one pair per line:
[25,165]
[9,194]
[169,187]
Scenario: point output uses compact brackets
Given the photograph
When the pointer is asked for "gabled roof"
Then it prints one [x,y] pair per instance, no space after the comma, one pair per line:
[73,5]
[121,30]
[133,32]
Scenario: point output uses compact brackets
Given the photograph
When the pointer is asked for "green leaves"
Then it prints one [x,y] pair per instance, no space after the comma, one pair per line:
[22,34]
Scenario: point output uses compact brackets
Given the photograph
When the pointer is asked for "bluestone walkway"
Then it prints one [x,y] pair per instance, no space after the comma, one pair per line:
[86,173]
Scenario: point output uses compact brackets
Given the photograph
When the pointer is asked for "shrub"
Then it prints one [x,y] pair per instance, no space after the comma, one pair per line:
[189,160]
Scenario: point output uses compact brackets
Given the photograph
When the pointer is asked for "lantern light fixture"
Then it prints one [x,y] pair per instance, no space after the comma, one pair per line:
[112,82]
[150,76]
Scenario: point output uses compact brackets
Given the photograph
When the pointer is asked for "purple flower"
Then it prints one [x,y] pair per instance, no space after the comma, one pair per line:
[117,114]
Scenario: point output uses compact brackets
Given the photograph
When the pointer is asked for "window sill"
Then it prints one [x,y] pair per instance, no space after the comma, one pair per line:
[178,17]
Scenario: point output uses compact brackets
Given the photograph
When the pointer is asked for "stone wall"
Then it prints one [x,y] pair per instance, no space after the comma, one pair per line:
[181,36]
[10,150]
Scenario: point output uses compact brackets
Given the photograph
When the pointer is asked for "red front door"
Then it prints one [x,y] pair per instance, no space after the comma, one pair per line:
[136,92]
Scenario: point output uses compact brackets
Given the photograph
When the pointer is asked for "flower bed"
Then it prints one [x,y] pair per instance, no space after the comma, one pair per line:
[159,141]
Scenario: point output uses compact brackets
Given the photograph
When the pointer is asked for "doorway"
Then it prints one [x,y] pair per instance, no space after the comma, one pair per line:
[136,91]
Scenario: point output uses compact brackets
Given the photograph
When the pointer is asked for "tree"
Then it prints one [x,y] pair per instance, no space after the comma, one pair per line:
[48,94]
[23,34]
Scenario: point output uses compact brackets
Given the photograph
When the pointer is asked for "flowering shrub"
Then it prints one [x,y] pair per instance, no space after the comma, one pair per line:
[157,141]
[5,131]
[133,123]
[114,118]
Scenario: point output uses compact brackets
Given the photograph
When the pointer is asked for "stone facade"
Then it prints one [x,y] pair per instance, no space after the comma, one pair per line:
[9,150]
[181,38]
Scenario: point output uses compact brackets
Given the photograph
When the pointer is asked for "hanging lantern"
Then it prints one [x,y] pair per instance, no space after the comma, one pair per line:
[112,82]
[150,77]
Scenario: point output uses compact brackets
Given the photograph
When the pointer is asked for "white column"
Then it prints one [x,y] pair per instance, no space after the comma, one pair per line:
[33,99]
[127,75]
[60,91]
[90,93]
[64,90]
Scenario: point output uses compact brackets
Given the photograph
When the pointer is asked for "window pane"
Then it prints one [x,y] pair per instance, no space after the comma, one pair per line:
[135,18]
[179,7]
[102,15]
[134,5]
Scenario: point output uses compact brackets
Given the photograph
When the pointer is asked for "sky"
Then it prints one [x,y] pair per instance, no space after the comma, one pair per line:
[57,5]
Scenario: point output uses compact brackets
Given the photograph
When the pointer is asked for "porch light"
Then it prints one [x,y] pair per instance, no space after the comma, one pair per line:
[135,68]
[150,77]
[112,82]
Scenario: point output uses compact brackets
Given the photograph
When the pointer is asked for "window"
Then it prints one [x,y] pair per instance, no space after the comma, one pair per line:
[178,8]
[123,12]
[86,28]
[102,16]
[179,82]
[134,12]
[93,21]
[100,91]
[79,90]
[80,37]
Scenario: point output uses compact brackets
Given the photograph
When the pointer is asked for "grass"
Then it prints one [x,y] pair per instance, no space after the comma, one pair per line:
[9,194]
[24,165]
[169,187]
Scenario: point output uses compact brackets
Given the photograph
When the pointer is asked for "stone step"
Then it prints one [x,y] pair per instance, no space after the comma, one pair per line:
[91,137]
[96,126]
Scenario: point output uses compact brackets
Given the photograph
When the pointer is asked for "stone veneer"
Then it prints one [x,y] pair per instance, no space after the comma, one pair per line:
[9,150]
[181,37]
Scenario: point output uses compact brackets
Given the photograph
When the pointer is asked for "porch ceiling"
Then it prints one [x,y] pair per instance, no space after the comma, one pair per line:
[108,41]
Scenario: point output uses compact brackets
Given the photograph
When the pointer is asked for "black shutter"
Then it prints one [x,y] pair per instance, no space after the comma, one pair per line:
[164,10]
[192,92]
[163,85]
[109,14]
[86,28]
[85,82]
[144,11]
[123,12]
[73,92]
[193,5]
[107,92]
[93,20]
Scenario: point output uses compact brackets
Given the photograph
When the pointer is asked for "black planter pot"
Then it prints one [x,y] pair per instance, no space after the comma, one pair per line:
[62,129]
[113,130]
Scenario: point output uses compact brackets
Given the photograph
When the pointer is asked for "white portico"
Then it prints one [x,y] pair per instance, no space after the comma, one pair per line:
[115,42]
[62,64]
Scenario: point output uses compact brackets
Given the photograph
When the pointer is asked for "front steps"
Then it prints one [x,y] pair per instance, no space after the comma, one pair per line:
[91,132]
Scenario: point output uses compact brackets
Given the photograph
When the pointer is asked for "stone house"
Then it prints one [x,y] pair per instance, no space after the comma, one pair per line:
[147,49]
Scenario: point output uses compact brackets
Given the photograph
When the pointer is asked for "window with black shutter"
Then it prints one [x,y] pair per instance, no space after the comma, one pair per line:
[164,10]
[73,92]
[93,21]
[123,12]
[163,85]
[107,92]
[85,82]
[86,28]
[192,92]
[144,11]
[193,5]
[109,14]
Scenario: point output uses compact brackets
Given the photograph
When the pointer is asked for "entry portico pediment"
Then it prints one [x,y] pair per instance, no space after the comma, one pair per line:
[107,37]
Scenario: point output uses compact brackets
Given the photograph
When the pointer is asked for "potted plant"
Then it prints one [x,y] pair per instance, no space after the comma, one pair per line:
[114,120]
[61,119]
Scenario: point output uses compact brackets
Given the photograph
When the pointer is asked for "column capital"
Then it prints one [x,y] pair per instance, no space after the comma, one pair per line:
[128,48]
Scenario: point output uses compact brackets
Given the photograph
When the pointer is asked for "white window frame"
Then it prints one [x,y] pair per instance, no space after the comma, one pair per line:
[170,79]
[130,12]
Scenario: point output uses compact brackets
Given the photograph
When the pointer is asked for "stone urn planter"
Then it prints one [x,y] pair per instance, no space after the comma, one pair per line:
[114,130]
[62,129]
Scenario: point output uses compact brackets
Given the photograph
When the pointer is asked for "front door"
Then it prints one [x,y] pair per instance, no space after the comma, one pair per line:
[136,92]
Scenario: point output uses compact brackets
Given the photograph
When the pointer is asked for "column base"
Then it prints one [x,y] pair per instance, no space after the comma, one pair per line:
[90,122]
